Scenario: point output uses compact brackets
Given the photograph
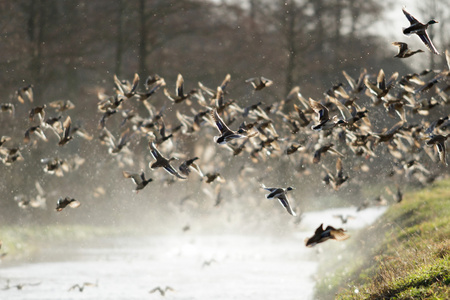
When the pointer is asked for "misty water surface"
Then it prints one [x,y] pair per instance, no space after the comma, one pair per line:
[195,266]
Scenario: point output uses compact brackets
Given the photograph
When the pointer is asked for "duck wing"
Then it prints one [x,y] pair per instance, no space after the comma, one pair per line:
[427,41]
[338,234]
[171,170]
[320,110]
[136,178]
[179,86]
[284,201]
[154,152]
[441,150]
[221,126]
[410,18]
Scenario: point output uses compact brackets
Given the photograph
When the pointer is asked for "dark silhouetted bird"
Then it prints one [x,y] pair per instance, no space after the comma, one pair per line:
[321,235]
[344,218]
[404,51]
[162,162]
[63,203]
[280,194]
[438,140]
[259,83]
[161,291]
[138,179]
[420,29]
[66,137]
[226,134]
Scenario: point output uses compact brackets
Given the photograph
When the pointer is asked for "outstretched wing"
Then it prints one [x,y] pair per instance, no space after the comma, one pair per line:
[153,151]
[284,201]
[171,170]
[221,126]
[427,41]
[410,18]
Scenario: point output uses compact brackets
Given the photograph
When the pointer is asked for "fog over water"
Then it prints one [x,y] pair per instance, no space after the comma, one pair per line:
[195,266]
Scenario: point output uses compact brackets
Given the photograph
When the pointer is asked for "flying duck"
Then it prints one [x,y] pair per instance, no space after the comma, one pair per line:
[420,29]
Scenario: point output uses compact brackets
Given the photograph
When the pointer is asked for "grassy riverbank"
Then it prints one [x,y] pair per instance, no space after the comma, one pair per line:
[405,255]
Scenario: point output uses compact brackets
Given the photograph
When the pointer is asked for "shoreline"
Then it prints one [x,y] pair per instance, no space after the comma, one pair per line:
[406,253]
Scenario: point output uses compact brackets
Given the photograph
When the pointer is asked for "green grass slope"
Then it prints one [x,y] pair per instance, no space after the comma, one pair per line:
[405,255]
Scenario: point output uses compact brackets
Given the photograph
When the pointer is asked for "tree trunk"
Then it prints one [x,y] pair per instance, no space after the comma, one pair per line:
[292,50]
[37,55]
[119,40]
[142,40]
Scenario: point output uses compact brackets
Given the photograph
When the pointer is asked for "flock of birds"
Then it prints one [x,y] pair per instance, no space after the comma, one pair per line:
[293,129]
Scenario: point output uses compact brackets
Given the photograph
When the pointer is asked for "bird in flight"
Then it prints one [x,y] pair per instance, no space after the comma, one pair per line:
[420,29]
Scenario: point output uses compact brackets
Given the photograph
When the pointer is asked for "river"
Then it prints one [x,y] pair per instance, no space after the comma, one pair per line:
[193,266]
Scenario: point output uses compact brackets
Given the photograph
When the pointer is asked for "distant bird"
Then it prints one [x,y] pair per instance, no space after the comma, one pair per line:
[280,194]
[138,179]
[382,87]
[208,262]
[106,115]
[349,116]
[162,162]
[161,291]
[250,108]
[25,92]
[63,203]
[321,235]
[19,286]
[404,51]
[226,134]
[293,148]
[125,137]
[337,179]
[344,218]
[213,93]
[259,83]
[34,130]
[39,111]
[7,107]
[185,167]
[436,124]
[322,112]
[55,166]
[152,84]
[66,137]
[61,105]
[81,287]
[125,88]
[179,96]
[438,141]
[210,177]
[356,85]
[324,149]
[388,134]
[420,29]
[11,155]
[301,116]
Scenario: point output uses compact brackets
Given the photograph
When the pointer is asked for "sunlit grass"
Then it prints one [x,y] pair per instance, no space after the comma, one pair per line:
[405,255]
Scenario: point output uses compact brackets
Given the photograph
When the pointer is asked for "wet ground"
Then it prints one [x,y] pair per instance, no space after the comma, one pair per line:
[194,267]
